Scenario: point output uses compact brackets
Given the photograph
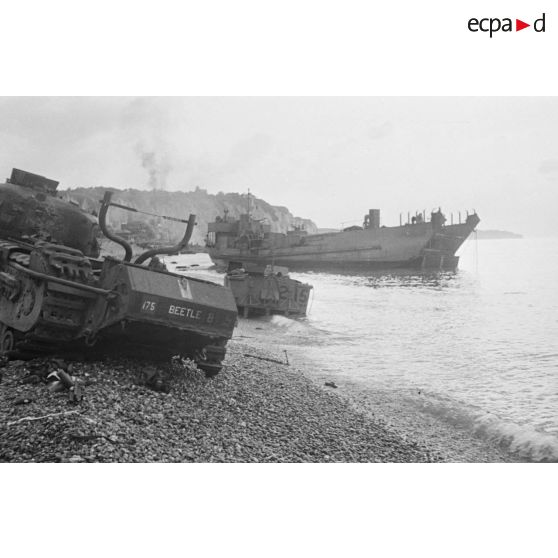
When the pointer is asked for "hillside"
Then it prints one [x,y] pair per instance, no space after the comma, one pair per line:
[495,234]
[180,204]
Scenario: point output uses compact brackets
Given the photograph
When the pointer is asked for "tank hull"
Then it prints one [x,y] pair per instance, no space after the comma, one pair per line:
[51,300]
[259,294]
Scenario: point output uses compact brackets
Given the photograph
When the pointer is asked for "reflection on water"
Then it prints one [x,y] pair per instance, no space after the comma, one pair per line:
[438,280]
[486,340]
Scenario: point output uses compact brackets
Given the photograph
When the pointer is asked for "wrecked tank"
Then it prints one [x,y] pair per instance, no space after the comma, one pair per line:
[259,289]
[56,294]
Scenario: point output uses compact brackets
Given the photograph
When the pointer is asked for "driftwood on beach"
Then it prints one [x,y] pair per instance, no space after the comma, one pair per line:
[52,415]
[267,359]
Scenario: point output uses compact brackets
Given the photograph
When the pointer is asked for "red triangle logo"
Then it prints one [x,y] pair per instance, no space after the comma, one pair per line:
[519,25]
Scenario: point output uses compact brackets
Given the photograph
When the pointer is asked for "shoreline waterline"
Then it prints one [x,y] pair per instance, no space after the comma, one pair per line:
[475,350]
[449,440]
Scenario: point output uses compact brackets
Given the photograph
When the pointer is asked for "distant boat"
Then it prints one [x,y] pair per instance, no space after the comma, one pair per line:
[419,243]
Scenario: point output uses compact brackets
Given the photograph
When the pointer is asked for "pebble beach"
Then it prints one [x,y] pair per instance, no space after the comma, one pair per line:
[254,411]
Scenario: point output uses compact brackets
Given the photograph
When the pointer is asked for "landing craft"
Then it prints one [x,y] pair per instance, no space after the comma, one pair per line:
[423,242]
[55,291]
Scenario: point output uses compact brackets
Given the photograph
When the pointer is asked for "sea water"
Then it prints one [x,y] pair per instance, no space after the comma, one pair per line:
[478,347]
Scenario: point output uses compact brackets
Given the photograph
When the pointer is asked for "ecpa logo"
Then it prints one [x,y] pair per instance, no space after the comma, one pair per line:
[494,24]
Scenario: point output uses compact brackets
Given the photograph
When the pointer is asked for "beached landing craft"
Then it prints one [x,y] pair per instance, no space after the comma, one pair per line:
[418,244]
[57,294]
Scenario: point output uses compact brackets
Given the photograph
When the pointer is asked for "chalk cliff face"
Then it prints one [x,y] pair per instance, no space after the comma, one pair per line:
[180,204]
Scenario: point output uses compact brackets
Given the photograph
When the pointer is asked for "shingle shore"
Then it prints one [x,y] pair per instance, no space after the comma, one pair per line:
[254,411]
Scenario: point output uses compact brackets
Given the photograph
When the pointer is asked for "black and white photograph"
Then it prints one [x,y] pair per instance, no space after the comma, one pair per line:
[278,279]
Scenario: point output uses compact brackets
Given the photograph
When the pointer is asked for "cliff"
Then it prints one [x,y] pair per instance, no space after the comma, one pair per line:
[180,204]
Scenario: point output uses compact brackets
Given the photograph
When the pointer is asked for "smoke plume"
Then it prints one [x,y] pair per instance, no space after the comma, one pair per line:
[156,165]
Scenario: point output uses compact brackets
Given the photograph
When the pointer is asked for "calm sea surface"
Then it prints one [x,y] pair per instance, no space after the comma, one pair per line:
[479,345]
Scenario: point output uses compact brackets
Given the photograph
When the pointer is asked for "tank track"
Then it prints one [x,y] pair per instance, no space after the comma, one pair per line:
[63,308]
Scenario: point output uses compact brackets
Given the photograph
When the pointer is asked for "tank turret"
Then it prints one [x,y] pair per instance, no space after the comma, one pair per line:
[30,210]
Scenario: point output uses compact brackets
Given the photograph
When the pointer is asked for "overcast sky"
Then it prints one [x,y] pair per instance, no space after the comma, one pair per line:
[325,158]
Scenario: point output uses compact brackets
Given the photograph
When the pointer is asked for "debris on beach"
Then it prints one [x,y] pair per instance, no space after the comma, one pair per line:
[257,411]
[267,359]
